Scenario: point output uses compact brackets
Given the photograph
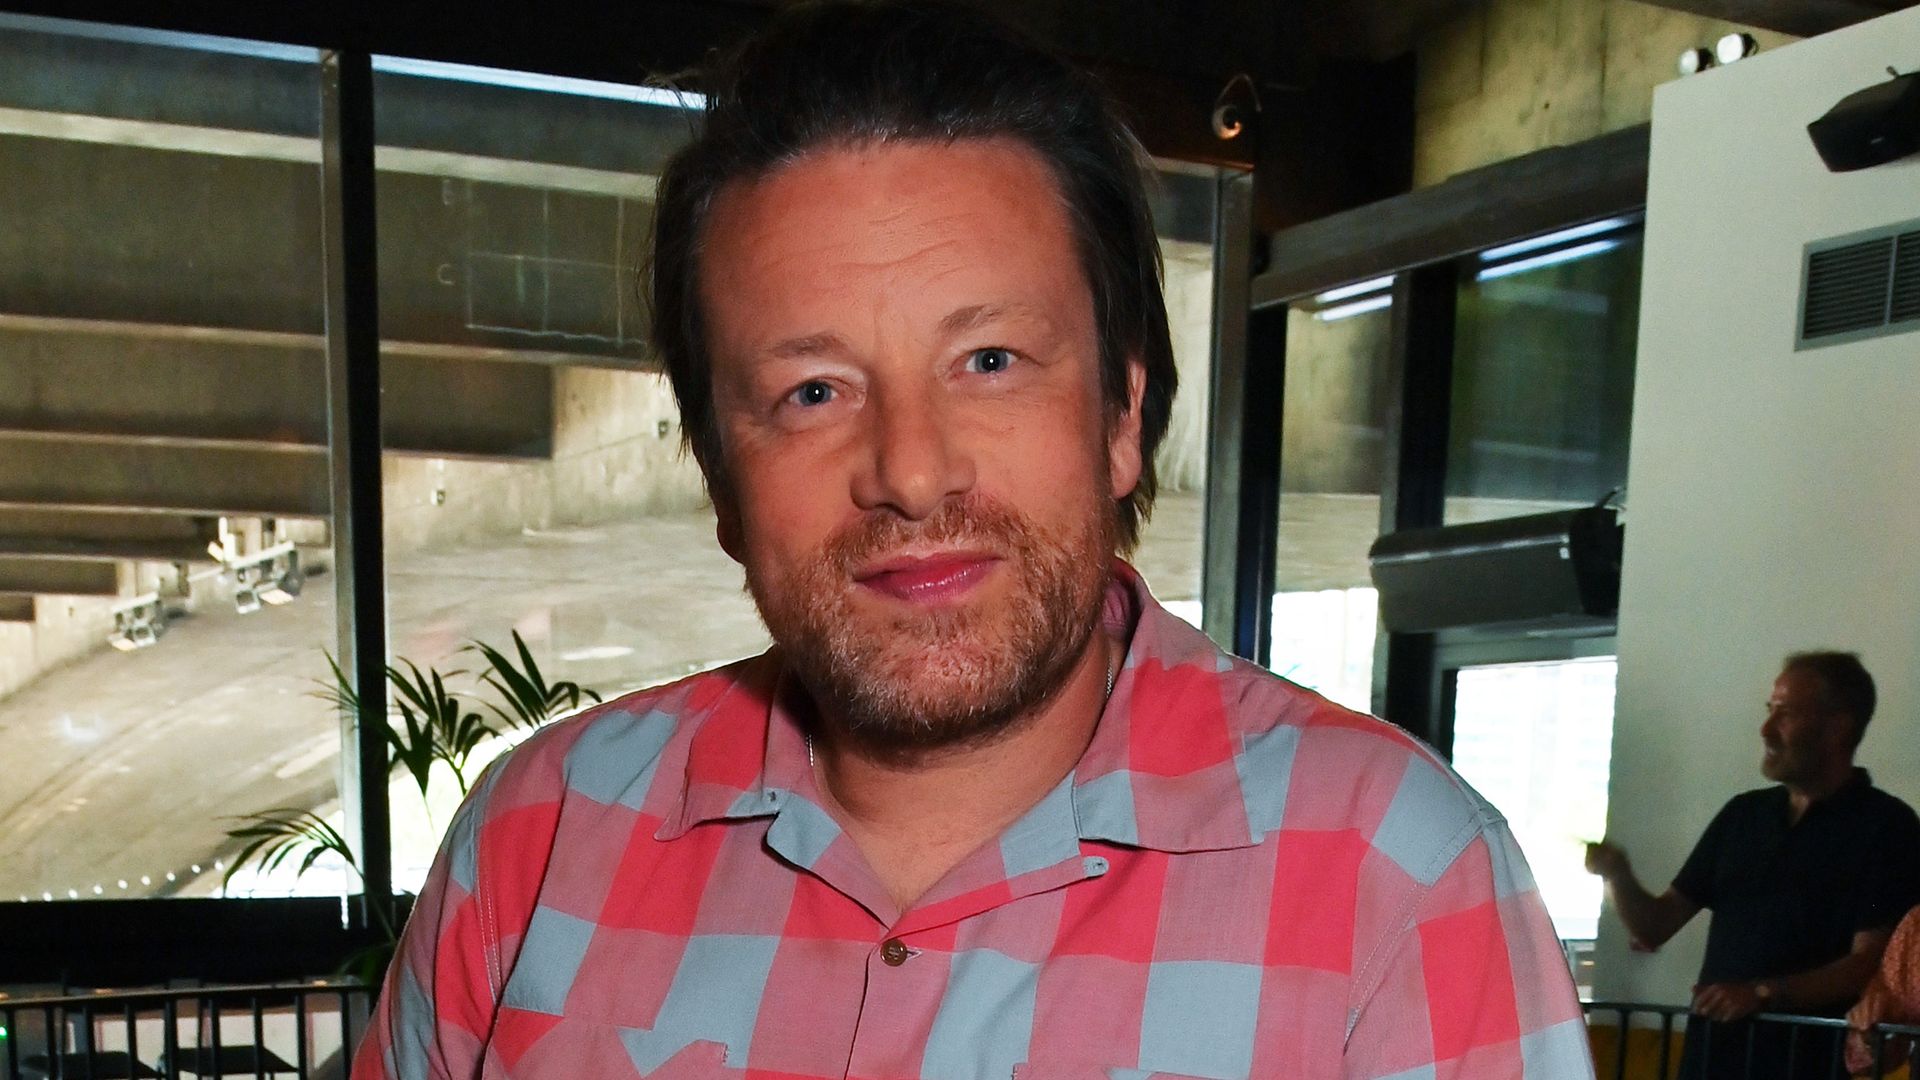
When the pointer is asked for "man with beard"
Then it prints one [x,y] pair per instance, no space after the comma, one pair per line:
[986,810]
[1806,880]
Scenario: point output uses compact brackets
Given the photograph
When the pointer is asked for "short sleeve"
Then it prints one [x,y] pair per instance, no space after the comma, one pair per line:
[1695,879]
[1476,987]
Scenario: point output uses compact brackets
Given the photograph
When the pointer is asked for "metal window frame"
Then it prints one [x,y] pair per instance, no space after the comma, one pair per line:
[1429,238]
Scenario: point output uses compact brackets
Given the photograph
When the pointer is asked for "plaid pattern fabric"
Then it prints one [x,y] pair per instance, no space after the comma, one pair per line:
[1239,879]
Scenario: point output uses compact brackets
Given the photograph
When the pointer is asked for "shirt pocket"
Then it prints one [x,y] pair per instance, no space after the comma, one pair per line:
[530,1046]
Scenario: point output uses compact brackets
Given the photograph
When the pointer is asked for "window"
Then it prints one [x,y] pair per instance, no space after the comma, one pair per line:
[1543,373]
[1536,740]
[1332,458]
[1169,554]
[163,458]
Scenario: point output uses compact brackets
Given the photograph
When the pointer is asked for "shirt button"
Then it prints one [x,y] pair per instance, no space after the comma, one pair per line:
[894,952]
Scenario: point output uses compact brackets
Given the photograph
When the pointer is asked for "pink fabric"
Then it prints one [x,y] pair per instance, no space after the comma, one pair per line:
[1240,879]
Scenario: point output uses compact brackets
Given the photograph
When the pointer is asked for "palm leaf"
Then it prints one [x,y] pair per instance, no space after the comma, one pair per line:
[532,701]
[276,835]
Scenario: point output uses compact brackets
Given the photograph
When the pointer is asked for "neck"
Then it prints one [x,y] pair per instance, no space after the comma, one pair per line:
[915,820]
[1802,794]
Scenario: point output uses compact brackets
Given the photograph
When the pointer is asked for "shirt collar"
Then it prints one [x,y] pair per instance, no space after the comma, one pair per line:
[1161,772]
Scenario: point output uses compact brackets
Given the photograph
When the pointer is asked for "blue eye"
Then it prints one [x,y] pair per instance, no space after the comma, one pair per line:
[811,393]
[989,361]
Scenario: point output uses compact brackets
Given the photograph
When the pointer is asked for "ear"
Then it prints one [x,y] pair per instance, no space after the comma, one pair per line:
[1124,459]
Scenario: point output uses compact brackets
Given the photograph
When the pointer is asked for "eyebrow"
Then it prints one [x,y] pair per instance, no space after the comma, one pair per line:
[959,321]
[967,318]
[807,345]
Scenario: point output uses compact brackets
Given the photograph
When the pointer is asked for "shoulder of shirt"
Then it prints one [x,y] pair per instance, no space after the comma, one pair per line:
[623,740]
[1282,730]
[1892,807]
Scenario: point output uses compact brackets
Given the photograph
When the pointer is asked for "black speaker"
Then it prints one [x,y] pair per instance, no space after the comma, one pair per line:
[1872,126]
[1557,572]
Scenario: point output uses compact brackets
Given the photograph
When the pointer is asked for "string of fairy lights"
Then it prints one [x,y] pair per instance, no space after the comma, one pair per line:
[126,886]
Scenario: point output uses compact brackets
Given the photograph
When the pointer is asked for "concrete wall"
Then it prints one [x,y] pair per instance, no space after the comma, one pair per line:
[616,453]
[1512,76]
[1770,492]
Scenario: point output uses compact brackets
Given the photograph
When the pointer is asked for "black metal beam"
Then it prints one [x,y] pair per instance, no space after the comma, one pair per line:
[151,537]
[353,404]
[17,608]
[1520,197]
[66,472]
[1413,483]
[59,577]
[136,382]
[1801,18]
[1261,435]
[1223,551]
[626,42]
[153,942]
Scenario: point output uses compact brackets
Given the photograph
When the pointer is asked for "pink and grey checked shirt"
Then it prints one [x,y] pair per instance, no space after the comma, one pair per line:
[1239,879]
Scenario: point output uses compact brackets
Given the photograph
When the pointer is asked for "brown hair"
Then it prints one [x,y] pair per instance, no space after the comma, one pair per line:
[851,73]
[1845,685]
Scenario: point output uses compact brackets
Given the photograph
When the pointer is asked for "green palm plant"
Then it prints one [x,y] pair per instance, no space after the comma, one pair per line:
[435,725]
[426,723]
[277,835]
[531,700]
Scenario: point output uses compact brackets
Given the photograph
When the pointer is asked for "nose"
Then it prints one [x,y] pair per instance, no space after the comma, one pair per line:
[1770,727]
[915,458]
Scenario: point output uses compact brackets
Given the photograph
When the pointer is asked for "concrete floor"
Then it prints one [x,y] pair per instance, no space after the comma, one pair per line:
[122,768]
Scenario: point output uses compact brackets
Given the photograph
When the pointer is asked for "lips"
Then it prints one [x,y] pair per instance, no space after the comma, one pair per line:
[928,579]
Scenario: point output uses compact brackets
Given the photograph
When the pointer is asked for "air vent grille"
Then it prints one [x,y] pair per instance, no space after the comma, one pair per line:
[1861,286]
[1906,279]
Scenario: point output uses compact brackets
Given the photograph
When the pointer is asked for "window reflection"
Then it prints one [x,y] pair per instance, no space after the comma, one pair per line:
[1543,374]
[1170,543]
[163,458]
[1332,461]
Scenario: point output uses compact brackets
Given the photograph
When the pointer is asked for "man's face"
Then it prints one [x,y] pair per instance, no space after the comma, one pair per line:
[921,475]
[1801,735]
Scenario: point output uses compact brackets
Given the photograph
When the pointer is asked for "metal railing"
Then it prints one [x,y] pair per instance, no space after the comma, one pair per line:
[307,1030]
[1763,1045]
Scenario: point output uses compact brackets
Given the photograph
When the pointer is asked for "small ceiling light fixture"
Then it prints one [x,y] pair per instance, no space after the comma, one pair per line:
[1229,111]
[1695,61]
[1735,46]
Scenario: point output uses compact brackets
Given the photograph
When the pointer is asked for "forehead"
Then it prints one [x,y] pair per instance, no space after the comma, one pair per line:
[901,221]
[1797,687]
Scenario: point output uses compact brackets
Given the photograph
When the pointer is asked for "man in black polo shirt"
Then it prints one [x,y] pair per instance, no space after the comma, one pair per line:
[1806,880]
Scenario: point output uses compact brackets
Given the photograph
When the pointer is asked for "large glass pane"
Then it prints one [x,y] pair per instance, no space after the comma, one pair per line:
[1331,462]
[1543,374]
[163,459]
[1170,544]
[1536,740]
[535,486]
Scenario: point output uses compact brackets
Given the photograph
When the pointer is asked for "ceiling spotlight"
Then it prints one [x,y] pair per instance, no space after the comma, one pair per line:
[1694,61]
[137,623]
[1736,46]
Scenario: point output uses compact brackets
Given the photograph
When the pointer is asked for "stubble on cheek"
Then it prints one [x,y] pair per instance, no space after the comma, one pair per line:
[903,681]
